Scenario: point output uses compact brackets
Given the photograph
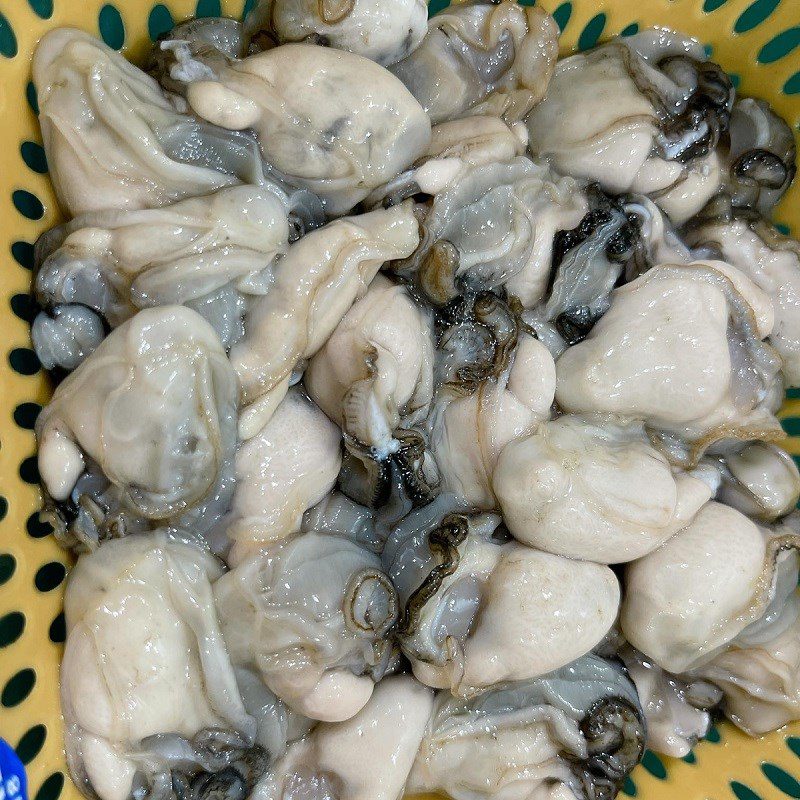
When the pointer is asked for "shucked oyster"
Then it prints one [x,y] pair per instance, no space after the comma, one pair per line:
[205,252]
[574,733]
[681,349]
[376,370]
[482,58]
[367,757]
[677,711]
[474,419]
[760,480]
[770,260]
[113,140]
[143,432]
[314,286]
[759,671]
[286,468]
[327,120]
[468,621]
[644,114]
[729,619]
[687,600]
[382,32]
[148,693]
[310,615]
[761,157]
[595,489]
[494,226]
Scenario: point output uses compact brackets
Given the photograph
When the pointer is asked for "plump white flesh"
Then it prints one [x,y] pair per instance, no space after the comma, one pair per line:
[693,595]
[376,369]
[468,434]
[665,353]
[366,758]
[594,489]
[772,262]
[113,140]
[154,406]
[382,32]
[331,121]
[286,468]
[144,656]
[309,615]
[296,317]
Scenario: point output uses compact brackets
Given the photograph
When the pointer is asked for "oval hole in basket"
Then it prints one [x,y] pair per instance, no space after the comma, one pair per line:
[792,86]
[34,157]
[42,8]
[8,41]
[31,743]
[111,27]
[562,15]
[27,203]
[781,779]
[780,46]
[25,415]
[7,566]
[24,361]
[57,632]
[592,32]
[51,788]
[159,21]
[18,687]
[11,627]
[49,576]
[743,792]
[37,529]
[754,15]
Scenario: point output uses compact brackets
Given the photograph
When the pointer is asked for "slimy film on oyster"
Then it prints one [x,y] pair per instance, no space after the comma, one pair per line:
[414,412]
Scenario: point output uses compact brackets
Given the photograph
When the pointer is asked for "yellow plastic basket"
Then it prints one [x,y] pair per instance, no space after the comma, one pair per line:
[757,41]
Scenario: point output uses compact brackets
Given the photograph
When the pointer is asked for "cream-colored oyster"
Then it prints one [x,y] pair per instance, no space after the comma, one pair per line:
[314,286]
[146,682]
[382,32]
[482,58]
[367,757]
[114,141]
[285,469]
[376,370]
[681,349]
[331,121]
[596,489]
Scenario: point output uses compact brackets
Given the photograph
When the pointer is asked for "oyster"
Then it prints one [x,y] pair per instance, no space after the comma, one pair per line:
[762,156]
[574,733]
[367,757]
[595,488]
[685,602]
[327,120]
[482,58]
[285,469]
[382,32]
[770,260]
[142,433]
[495,226]
[642,114]
[375,372]
[468,621]
[148,693]
[311,615]
[218,248]
[298,314]
[681,349]
[113,140]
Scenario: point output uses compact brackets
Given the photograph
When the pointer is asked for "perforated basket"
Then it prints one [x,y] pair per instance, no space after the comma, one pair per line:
[757,42]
